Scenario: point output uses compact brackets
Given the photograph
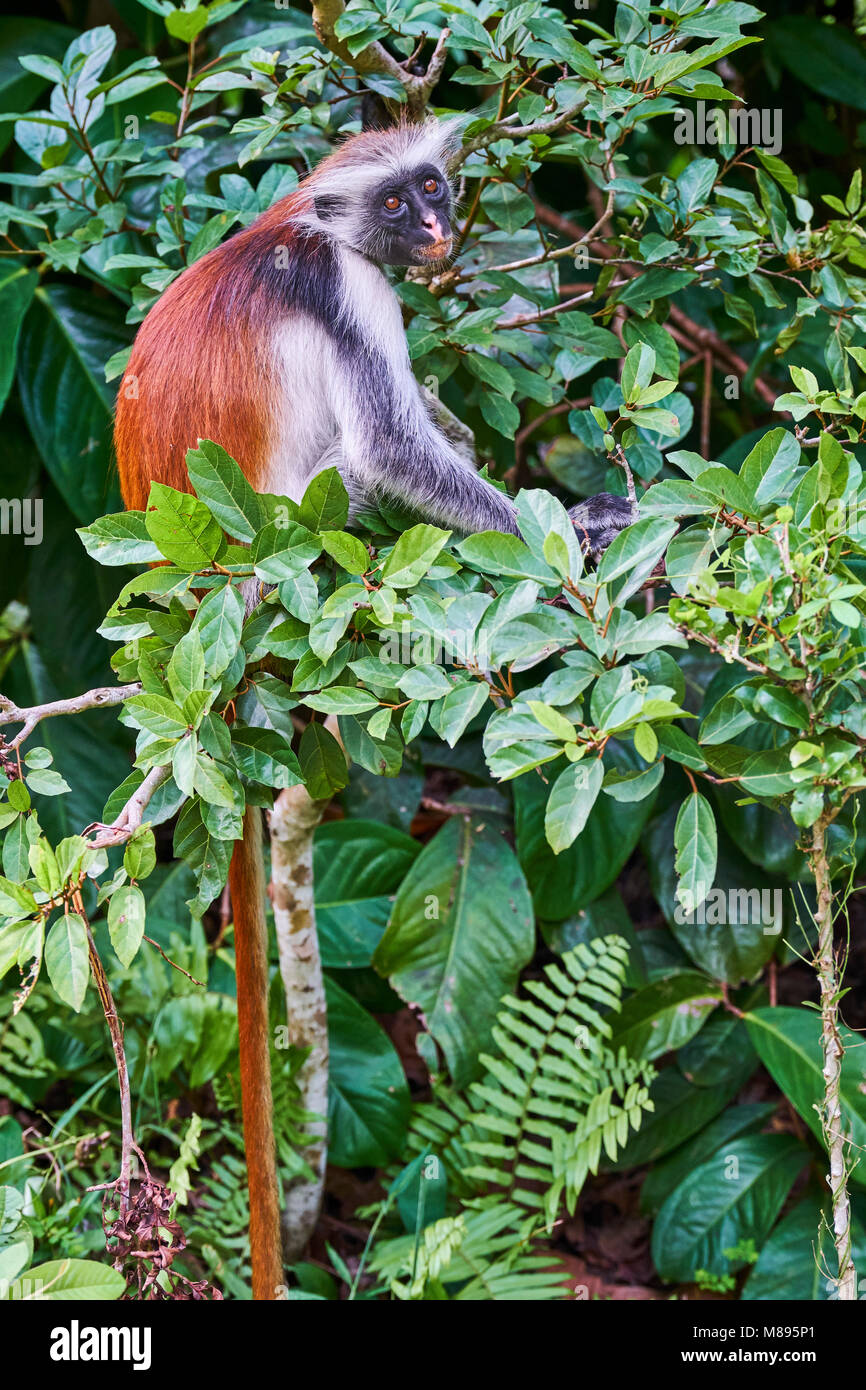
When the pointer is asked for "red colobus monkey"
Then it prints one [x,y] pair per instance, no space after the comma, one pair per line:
[285,345]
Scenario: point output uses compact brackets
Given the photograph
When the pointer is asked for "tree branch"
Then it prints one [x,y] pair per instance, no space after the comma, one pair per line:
[292,823]
[510,126]
[131,816]
[835,1140]
[375,58]
[99,698]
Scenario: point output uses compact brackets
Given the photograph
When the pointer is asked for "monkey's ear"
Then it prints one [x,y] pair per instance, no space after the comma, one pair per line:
[328,205]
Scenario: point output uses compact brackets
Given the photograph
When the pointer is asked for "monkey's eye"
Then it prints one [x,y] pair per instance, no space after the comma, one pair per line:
[392,202]
[431,186]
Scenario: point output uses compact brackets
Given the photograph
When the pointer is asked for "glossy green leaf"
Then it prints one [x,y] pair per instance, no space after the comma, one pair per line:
[788,1042]
[182,527]
[368,1109]
[733,1196]
[126,914]
[66,959]
[461,929]
[662,1016]
[66,339]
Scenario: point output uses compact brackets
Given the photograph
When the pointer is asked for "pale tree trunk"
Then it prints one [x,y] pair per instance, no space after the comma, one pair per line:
[292,823]
[831,1046]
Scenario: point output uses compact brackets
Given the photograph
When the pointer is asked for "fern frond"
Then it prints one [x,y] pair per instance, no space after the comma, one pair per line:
[552,1098]
[479,1256]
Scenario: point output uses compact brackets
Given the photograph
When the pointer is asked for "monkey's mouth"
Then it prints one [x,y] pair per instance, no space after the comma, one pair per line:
[435,250]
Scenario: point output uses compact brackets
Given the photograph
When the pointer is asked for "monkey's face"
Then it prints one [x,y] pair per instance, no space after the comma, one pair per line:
[408,222]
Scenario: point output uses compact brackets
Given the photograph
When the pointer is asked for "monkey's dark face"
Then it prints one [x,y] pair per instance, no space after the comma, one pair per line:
[408,222]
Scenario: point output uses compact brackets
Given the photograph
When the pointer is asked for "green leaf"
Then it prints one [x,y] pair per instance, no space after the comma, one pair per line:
[368,1108]
[66,339]
[665,1177]
[571,800]
[126,913]
[265,756]
[542,516]
[501,414]
[209,235]
[325,504]
[186,24]
[412,556]
[634,786]
[322,762]
[121,539]
[212,784]
[66,959]
[63,1280]
[793,1264]
[554,722]
[207,856]
[637,371]
[350,553]
[424,682]
[740,309]
[16,900]
[357,867]
[219,624]
[158,715]
[492,373]
[681,1109]
[768,773]
[696,844]
[283,551]
[139,857]
[783,705]
[221,484]
[788,1042]
[663,1016]
[736,1195]
[451,717]
[563,883]
[182,528]
[646,742]
[507,206]
[382,755]
[17,287]
[827,58]
[636,551]
[729,489]
[770,466]
[493,552]
[461,930]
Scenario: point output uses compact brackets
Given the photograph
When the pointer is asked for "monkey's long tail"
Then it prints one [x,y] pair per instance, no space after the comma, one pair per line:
[247,887]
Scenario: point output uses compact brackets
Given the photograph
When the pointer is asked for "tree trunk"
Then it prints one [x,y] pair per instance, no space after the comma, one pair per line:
[831,1046]
[292,822]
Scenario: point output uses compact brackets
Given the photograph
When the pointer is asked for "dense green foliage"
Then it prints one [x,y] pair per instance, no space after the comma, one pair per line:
[633,759]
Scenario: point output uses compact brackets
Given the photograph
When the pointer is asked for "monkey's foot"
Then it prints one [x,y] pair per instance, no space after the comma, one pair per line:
[599,520]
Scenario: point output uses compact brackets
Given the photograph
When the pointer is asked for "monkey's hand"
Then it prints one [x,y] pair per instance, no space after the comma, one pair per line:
[599,520]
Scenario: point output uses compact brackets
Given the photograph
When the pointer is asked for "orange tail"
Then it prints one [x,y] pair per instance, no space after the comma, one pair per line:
[247,887]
